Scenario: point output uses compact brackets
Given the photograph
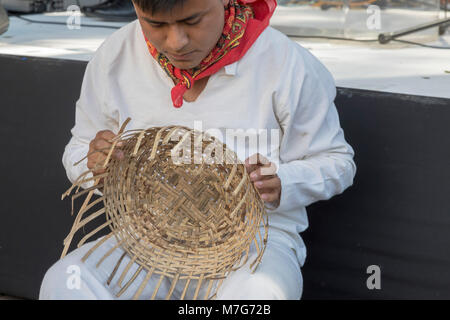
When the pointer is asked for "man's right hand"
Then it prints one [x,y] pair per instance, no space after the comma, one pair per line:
[101,143]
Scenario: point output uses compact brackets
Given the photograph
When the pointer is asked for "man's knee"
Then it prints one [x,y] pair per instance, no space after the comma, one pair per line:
[256,286]
[51,280]
[65,274]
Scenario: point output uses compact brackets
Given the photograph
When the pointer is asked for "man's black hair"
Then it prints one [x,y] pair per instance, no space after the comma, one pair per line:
[155,6]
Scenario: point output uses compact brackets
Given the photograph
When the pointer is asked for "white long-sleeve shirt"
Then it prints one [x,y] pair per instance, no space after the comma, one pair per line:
[278,85]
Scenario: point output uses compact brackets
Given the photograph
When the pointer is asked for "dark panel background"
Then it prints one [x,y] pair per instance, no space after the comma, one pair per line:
[37,99]
[396,215]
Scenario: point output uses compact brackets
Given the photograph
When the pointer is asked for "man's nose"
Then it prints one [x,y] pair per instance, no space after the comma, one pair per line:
[176,39]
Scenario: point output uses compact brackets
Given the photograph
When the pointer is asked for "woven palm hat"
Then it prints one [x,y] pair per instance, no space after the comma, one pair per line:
[177,213]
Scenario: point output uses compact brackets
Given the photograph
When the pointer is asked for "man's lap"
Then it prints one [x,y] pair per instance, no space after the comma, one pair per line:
[278,276]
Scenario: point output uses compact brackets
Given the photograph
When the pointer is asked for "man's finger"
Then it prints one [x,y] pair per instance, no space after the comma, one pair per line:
[270,197]
[271,183]
[118,154]
[262,173]
[258,159]
[101,144]
[269,170]
[249,166]
[255,161]
[105,135]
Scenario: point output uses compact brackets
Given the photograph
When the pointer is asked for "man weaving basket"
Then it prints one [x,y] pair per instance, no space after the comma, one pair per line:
[217,62]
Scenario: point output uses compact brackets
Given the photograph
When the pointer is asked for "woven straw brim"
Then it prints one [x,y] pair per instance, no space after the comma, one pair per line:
[177,213]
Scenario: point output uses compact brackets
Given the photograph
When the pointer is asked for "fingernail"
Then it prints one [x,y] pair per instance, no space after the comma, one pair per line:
[259,183]
[264,196]
[253,175]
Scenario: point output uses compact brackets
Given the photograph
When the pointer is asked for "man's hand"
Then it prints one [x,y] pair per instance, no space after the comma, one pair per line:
[264,177]
[99,148]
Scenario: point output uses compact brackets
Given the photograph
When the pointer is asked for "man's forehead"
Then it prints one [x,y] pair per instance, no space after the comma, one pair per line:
[186,10]
[173,18]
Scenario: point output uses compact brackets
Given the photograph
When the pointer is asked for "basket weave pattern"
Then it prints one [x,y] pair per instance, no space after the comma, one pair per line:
[194,220]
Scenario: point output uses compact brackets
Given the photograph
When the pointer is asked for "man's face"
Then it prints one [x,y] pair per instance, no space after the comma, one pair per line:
[187,33]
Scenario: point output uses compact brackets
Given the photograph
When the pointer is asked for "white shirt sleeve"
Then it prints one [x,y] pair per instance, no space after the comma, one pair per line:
[91,116]
[316,162]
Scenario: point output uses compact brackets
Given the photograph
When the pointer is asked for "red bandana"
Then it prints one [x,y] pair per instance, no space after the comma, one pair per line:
[245,20]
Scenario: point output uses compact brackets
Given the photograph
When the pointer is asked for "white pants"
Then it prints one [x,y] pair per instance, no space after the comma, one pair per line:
[278,277]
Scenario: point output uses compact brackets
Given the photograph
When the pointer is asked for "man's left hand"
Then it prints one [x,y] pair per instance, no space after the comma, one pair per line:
[263,175]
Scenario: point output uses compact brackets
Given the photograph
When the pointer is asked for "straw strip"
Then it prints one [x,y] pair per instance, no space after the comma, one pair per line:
[90,234]
[98,244]
[125,271]
[113,273]
[172,287]
[88,198]
[107,254]
[138,271]
[143,284]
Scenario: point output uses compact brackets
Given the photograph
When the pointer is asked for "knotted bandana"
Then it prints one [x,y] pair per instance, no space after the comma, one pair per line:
[245,20]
